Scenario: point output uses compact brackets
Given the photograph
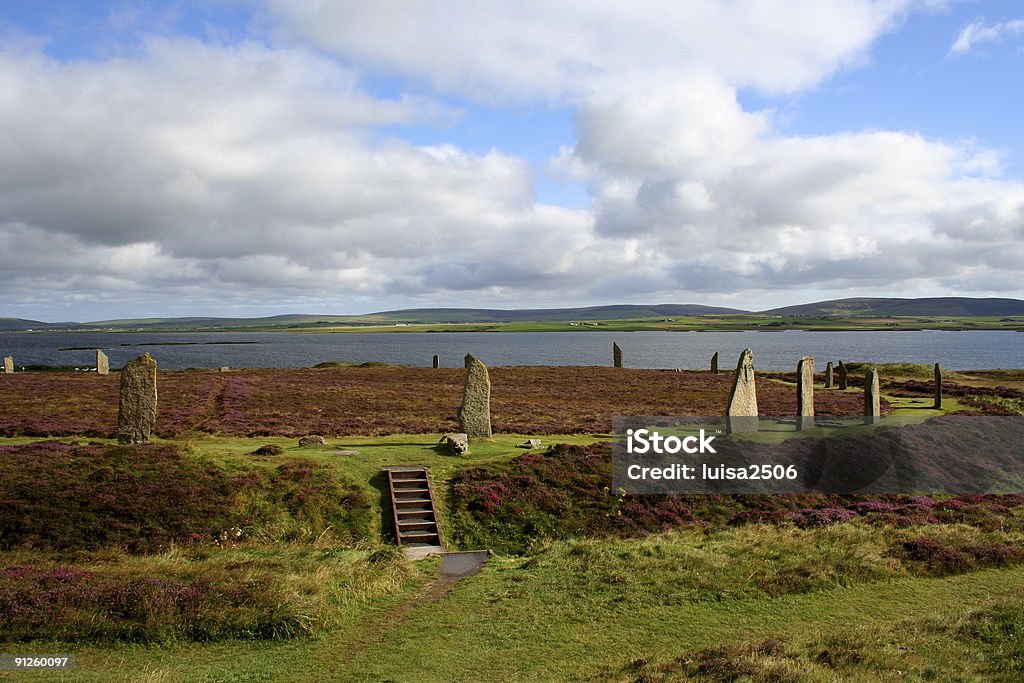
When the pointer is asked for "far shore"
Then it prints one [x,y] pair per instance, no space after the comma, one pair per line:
[703,323]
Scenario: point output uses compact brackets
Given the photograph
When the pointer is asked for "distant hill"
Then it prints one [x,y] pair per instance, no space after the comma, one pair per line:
[935,306]
[412,315]
[614,312]
[18,324]
[875,307]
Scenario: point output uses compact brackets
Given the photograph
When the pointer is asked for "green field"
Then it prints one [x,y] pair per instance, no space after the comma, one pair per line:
[913,600]
[702,323]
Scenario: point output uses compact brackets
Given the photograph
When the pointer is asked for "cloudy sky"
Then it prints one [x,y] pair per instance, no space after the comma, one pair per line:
[252,158]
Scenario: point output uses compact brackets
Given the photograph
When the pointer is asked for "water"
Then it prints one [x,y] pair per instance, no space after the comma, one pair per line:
[968,350]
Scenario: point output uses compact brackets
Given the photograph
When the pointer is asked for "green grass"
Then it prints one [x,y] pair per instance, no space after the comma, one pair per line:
[589,609]
[579,608]
[376,453]
[985,643]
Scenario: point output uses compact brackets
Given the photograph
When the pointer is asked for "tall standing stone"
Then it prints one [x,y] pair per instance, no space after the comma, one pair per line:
[829,381]
[616,355]
[872,404]
[102,363]
[136,409]
[843,375]
[938,386]
[741,413]
[805,392]
[8,365]
[475,411]
[437,361]
[714,364]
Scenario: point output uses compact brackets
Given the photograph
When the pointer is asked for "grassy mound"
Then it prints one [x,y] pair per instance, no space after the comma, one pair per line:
[986,642]
[237,592]
[564,493]
[150,544]
[55,496]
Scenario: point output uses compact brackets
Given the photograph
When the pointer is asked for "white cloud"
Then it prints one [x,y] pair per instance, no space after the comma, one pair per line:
[210,176]
[573,48]
[736,206]
[978,32]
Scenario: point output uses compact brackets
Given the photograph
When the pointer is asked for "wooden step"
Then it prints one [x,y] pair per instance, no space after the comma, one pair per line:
[412,507]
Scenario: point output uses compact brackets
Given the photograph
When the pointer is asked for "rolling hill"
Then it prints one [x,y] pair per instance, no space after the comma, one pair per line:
[836,308]
[881,307]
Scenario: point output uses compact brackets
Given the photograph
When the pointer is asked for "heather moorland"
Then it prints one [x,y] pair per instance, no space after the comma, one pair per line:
[224,551]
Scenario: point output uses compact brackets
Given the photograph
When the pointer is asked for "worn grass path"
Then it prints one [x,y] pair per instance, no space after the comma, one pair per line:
[476,632]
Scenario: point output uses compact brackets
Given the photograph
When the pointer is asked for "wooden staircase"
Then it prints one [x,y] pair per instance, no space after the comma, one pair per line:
[412,505]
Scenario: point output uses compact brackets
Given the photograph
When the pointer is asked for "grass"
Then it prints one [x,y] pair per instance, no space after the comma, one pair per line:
[189,593]
[986,642]
[589,609]
[837,588]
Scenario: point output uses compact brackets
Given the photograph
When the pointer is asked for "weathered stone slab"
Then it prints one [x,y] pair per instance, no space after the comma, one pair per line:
[714,364]
[829,378]
[102,363]
[872,403]
[475,411]
[938,386]
[136,408]
[805,393]
[437,361]
[741,412]
[530,443]
[8,365]
[843,375]
[313,440]
[616,355]
[457,443]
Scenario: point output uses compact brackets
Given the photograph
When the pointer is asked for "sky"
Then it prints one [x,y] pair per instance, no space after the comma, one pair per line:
[249,158]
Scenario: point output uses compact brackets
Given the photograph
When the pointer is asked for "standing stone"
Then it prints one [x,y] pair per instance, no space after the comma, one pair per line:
[872,406]
[829,381]
[741,413]
[805,393]
[938,386]
[714,364]
[136,409]
[616,355]
[102,363]
[843,373]
[437,361]
[8,365]
[475,411]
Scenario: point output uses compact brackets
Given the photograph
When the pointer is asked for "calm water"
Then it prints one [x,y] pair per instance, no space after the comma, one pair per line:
[772,350]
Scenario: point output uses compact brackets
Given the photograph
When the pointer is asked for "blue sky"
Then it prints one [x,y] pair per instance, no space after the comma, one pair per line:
[252,158]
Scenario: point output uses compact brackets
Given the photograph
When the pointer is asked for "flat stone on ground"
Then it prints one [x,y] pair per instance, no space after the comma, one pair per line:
[457,443]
